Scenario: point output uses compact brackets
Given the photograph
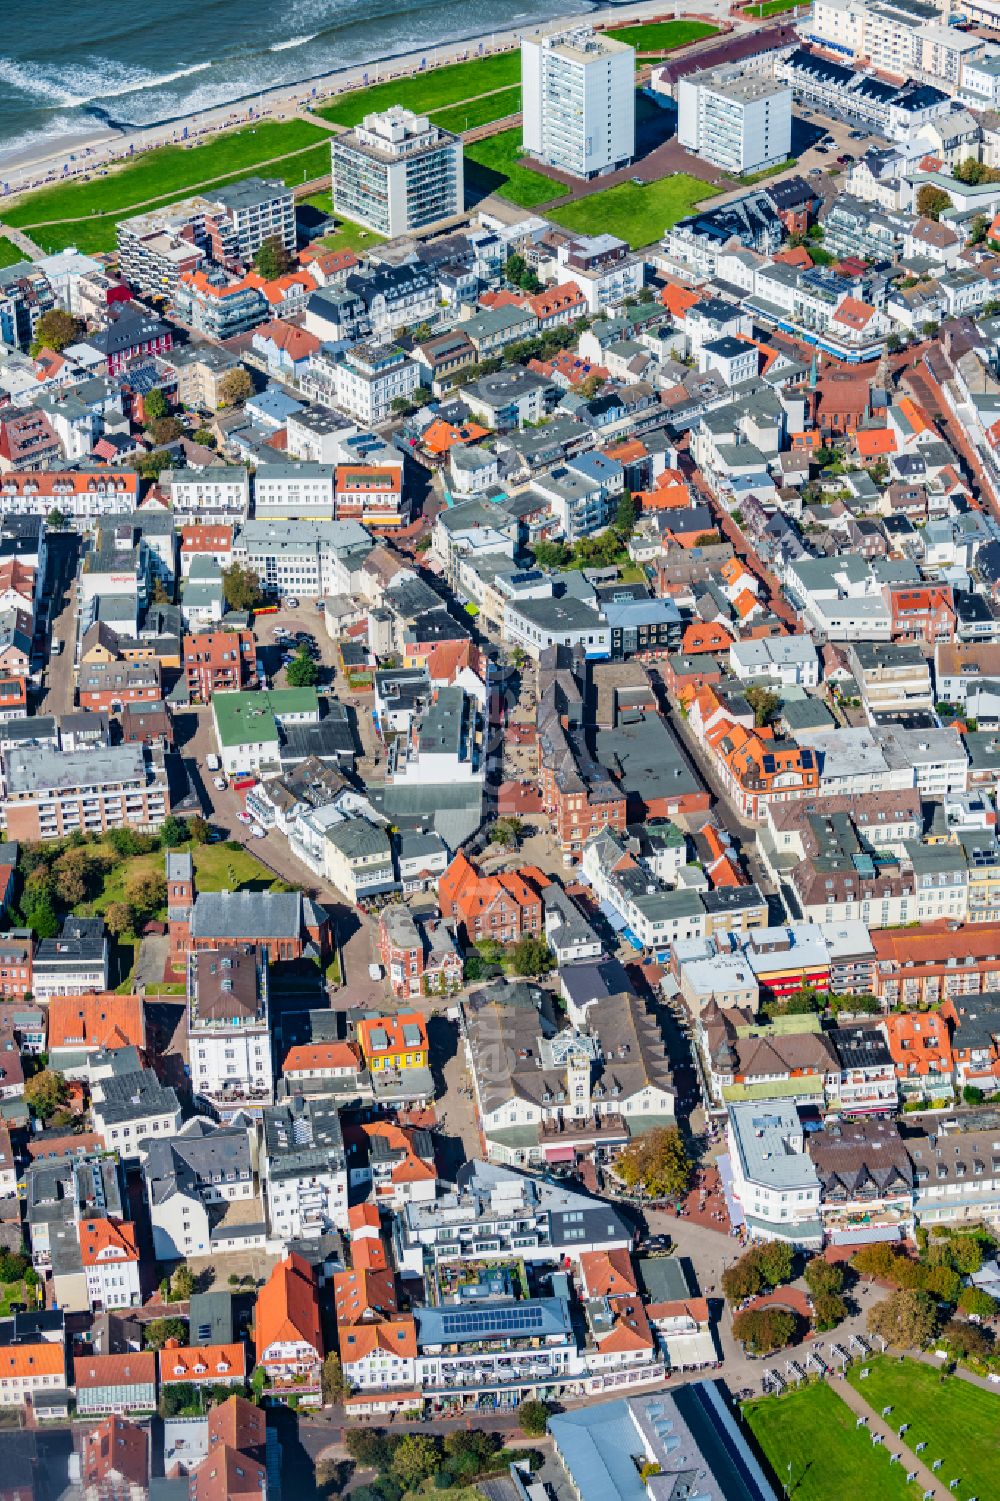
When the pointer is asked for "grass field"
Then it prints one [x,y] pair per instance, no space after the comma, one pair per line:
[663,36]
[774,7]
[85,213]
[499,161]
[348,235]
[14,1292]
[216,869]
[428,91]
[639,214]
[830,1458]
[9,253]
[960,1421]
[460,117]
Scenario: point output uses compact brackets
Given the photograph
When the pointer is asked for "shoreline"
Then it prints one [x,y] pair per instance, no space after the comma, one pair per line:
[67,158]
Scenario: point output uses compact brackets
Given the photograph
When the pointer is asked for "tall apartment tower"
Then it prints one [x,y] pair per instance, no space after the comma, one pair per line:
[578,90]
[397,172]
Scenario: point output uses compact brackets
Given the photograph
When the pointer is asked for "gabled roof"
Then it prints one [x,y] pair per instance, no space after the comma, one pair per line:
[204,1363]
[105,1241]
[288,1307]
[89,1022]
[608,1274]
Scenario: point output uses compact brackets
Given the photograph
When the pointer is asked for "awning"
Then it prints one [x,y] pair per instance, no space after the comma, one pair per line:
[736,1216]
[630,937]
[560,1154]
[613,916]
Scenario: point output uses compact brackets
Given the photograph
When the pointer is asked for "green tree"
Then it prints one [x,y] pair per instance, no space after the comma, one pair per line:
[335,1384]
[158,1331]
[764,702]
[302,670]
[552,554]
[241,587]
[73,871]
[823,1277]
[966,1254]
[370,1448]
[520,274]
[235,387]
[119,919]
[146,893]
[932,201]
[531,956]
[893,343]
[829,1310]
[777,1262]
[877,1260]
[507,831]
[906,1319]
[658,1162]
[979,229]
[40,915]
[166,430]
[763,1330]
[977,1303]
[46,1093]
[155,406]
[963,1339]
[54,330]
[972,1095]
[744,1279]
[533,1418]
[626,515]
[590,386]
[56,520]
[272,259]
[199,829]
[182,1284]
[416,1458]
[943,1282]
[205,437]
[173,831]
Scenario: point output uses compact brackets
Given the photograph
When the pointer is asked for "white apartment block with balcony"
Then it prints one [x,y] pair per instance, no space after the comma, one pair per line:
[397,172]
[579,100]
[773,1176]
[304,1169]
[228,1038]
[739,122]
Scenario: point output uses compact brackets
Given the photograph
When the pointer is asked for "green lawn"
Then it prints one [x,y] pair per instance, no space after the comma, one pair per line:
[960,1421]
[663,36]
[14,1292]
[10,254]
[347,235]
[831,1459]
[775,7]
[430,90]
[85,213]
[461,117]
[498,160]
[216,869]
[638,213]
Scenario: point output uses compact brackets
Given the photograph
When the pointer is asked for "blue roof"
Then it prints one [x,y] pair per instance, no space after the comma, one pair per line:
[531,1318]
[274,404]
[597,1444]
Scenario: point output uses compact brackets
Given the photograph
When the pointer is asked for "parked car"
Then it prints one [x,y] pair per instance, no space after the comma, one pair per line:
[220,783]
[290,604]
[244,817]
[258,831]
[321,604]
[212,762]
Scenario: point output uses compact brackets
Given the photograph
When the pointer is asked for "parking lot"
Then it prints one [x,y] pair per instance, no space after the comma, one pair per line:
[814,129]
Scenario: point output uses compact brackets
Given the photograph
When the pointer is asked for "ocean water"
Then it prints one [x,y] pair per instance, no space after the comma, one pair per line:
[68,64]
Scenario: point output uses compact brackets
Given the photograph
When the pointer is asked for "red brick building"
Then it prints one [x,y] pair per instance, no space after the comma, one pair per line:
[921,612]
[419,958]
[506,907]
[112,685]
[218,662]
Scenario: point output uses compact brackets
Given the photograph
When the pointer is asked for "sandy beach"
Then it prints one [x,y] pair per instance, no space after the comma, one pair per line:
[56,159]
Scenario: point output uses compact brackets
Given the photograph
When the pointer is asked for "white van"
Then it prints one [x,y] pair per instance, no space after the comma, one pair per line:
[213,763]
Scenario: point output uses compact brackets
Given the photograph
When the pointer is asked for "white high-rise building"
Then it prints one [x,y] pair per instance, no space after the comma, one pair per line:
[739,122]
[578,90]
[397,172]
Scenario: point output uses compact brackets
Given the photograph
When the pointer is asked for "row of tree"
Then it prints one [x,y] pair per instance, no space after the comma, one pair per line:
[404,1461]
